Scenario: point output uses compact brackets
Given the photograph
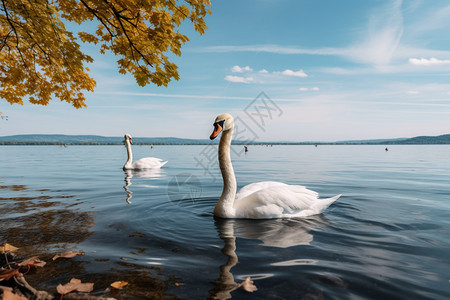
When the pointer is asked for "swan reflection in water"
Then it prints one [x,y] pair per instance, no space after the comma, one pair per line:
[144,173]
[280,233]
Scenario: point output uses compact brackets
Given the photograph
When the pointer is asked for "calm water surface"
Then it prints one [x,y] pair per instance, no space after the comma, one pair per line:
[387,237]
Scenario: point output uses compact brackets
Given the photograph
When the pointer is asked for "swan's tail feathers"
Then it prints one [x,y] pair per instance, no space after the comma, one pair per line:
[164,162]
[322,204]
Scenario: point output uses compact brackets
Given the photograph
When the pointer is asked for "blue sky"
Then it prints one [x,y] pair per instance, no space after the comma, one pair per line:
[334,70]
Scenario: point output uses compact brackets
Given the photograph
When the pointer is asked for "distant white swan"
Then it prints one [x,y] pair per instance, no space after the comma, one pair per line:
[261,200]
[143,163]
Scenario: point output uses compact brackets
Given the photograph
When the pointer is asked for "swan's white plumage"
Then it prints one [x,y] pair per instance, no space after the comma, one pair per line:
[265,200]
[143,163]
[261,200]
[148,163]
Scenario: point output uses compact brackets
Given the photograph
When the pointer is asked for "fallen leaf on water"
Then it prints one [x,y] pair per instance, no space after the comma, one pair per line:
[74,285]
[7,248]
[8,295]
[248,285]
[69,254]
[119,284]
[8,273]
[33,262]
[179,283]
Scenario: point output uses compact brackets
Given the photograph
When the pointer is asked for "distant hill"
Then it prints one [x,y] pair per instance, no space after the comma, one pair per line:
[375,141]
[418,140]
[61,139]
[441,139]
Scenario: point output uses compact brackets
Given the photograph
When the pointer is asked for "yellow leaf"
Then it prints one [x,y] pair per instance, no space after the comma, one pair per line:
[119,284]
[7,248]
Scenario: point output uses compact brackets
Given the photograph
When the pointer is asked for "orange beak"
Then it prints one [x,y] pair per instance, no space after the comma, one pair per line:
[131,142]
[217,129]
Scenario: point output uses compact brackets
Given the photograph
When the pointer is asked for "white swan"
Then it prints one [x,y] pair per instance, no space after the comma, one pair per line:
[143,163]
[261,200]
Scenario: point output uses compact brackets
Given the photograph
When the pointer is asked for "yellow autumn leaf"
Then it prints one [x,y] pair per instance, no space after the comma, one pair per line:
[7,248]
[119,284]
[68,254]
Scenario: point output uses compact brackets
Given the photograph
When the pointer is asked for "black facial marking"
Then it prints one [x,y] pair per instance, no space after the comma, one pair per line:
[219,123]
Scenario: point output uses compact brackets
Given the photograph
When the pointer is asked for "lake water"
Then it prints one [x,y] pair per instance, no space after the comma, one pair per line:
[387,237]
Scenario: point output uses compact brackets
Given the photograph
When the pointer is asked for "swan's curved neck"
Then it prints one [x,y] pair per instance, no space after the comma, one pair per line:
[130,154]
[224,207]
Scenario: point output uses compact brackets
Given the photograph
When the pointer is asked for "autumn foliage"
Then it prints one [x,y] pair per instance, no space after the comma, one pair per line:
[41,59]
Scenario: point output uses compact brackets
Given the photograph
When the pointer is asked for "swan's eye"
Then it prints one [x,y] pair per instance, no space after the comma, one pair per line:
[220,123]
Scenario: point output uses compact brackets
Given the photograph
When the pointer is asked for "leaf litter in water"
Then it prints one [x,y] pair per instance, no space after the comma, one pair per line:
[8,273]
[8,295]
[7,248]
[74,285]
[68,254]
[32,262]
[119,284]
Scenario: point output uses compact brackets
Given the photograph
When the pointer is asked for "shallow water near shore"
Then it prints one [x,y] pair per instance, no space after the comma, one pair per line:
[387,237]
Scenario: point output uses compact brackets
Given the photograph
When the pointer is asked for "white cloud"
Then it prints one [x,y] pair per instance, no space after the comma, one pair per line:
[259,76]
[237,69]
[239,79]
[428,62]
[305,89]
[299,73]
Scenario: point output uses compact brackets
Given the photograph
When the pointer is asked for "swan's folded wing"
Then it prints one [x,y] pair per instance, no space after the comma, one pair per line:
[148,163]
[276,201]
[255,187]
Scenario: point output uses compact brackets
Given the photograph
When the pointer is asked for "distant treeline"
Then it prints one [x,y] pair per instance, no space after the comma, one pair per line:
[31,143]
[61,140]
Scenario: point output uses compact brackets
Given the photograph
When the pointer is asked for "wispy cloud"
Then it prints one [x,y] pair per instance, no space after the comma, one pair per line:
[412,92]
[383,36]
[356,52]
[434,18]
[306,89]
[275,49]
[428,62]
[380,44]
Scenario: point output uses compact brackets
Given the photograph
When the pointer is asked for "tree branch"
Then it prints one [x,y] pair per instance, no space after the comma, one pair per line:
[101,19]
[130,42]
[15,32]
